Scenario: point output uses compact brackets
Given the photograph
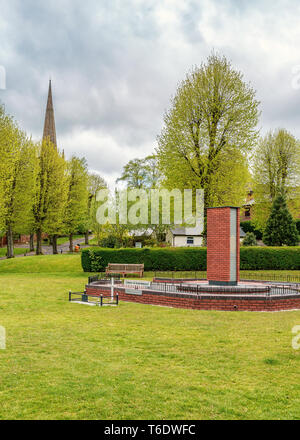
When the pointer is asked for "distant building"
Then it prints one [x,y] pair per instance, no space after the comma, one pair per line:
[185,237]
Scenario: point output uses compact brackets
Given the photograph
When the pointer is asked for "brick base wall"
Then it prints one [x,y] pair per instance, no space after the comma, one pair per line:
[255,303]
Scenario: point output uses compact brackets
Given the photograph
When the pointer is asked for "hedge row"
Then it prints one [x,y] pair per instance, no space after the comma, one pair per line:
[270,258]
[252,258]
[96,260]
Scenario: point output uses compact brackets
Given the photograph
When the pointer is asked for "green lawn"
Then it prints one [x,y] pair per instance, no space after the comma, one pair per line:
[65,263]
[17,251]
[70,361]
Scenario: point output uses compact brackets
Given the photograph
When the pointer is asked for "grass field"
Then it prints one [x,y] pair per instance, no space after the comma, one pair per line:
[69,361]
[17,251]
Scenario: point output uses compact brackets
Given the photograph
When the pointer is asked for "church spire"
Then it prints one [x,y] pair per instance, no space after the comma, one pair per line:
[49,126]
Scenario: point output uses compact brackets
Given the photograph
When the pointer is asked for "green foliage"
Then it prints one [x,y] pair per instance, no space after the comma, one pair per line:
[110,241]
[153,259]
[276,169]
[270,258]
[250,239]
[249,226]
[281,228]
[77,194]
[51,190]
[141,173]
[17,179]
[95,183]
[16,175]
[208,132]
[95,261]
[185,259]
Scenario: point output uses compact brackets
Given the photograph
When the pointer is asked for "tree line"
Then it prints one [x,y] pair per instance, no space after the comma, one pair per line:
[210,139]
[40,191]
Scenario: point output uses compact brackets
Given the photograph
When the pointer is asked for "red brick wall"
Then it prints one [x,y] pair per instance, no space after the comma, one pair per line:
[24,239]
[205,301]
[218,244]
[238,244]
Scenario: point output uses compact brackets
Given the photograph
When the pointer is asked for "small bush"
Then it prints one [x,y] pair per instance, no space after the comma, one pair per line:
[248,226]
[250,239]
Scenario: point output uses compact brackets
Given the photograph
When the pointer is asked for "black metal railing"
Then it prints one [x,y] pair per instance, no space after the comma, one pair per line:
[99,300]
[103,276]
[245,276]
[198,289]
[256,276]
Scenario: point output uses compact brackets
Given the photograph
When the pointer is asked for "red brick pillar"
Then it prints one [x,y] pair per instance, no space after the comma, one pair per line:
[223,245]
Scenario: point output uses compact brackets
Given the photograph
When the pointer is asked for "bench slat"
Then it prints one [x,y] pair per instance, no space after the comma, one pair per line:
[125,268]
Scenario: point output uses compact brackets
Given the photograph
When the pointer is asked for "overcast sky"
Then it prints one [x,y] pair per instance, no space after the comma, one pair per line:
[115,64]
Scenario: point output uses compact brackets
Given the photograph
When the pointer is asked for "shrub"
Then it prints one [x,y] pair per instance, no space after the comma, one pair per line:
[250,239]
[185,259]
[248,226]
[281,228]
[110,241]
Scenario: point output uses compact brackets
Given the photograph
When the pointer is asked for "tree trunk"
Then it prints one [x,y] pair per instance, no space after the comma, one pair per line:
[87,238]
[31,243]
[39,242]
[54,244]
[71,242]
[10,243]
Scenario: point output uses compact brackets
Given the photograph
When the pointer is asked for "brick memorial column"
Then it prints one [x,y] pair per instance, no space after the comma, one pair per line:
[223,246]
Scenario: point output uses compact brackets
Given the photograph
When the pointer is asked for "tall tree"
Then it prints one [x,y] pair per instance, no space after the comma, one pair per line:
[51,191]
[17,171]
[141,173]
[281,228]
[276,168]
[95,183]
[209,131]
[77,196]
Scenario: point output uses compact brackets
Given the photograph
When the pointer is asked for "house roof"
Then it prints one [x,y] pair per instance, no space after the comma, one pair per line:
[187,231]
[242,232]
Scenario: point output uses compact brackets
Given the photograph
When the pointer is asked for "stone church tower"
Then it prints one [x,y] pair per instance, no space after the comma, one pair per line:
[49,125]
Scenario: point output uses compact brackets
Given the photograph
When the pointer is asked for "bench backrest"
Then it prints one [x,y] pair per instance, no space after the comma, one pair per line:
[116,267]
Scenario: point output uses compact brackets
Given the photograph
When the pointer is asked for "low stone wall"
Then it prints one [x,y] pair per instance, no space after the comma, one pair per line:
[234,302]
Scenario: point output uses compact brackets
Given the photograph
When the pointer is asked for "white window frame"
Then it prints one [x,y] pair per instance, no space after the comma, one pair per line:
[190,238]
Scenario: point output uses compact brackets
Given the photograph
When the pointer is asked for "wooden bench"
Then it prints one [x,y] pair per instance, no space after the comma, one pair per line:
[125,269]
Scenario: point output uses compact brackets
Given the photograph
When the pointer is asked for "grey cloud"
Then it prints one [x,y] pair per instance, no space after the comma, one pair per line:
[115,65]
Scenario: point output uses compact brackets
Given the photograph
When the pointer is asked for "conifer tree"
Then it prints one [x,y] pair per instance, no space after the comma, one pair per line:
[281,228]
